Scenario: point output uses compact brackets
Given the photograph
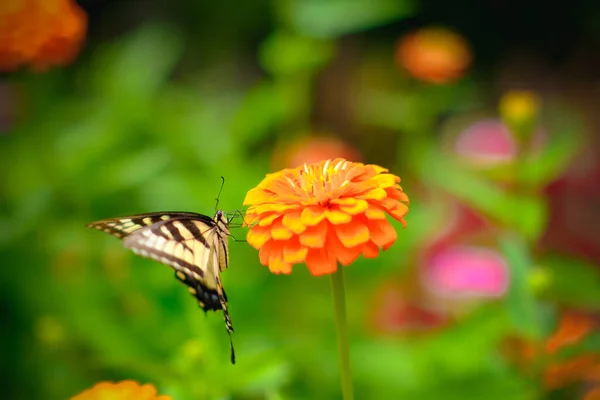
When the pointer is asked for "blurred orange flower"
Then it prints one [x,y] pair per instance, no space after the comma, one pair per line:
[41,33]
[435,55]
[593,394]
[322,213]
[572,329]
[124,390]
[560,370]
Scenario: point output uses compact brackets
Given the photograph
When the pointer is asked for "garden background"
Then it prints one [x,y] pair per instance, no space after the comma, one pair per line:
[488,111]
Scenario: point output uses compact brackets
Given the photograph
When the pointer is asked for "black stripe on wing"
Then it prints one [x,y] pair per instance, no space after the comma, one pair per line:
[124,226]
[179,243]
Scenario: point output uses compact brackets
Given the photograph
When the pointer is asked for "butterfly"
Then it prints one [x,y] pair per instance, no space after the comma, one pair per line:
[194,245]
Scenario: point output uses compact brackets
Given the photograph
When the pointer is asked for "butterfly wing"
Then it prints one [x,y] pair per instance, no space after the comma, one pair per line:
[181,240]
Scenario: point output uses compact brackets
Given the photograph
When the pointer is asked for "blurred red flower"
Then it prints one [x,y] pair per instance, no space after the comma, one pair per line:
[41,33]
[435,55]
[124,390]
[396,310]
[308,150]
[324,213]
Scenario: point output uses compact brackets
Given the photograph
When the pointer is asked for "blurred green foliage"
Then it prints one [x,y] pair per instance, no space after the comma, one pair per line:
[135,127]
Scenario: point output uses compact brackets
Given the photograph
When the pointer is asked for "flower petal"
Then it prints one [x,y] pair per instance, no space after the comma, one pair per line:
[293,221]
[312,215]
[374,212]
[351,206]
[374,194]
[258,236]
[319,262]
[294,252]
[345,255]
[267,219]
[337,216]
[314,236]
[370,250]
[352,234]
[280,232]
[382,233]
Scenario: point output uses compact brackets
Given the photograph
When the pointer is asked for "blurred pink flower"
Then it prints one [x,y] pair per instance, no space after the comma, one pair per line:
[486,141]
[489,142]
[466,272]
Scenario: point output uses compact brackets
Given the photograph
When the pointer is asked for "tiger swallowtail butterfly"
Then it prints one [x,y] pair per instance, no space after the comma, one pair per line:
[194,245]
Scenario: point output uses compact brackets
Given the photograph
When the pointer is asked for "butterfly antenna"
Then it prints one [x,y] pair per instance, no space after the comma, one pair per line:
[219,195]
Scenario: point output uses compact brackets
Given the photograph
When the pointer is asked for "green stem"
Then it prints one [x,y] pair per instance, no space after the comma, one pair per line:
[339,307]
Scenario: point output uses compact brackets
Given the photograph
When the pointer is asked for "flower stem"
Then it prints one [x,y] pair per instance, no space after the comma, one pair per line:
[339,307]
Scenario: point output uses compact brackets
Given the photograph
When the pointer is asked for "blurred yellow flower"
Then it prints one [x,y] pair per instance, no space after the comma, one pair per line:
[519,110]
[519,105]
[124,390]
[41,33]
[435,55]
[322,213]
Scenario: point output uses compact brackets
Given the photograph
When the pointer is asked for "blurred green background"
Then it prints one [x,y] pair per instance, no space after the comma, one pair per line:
[167,97]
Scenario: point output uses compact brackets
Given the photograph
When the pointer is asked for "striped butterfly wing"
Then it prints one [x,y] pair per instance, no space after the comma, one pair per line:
[194,245]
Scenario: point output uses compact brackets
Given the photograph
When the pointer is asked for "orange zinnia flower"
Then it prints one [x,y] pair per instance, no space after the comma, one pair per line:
[435,55]
[124,390]
[322,213]
[41,33]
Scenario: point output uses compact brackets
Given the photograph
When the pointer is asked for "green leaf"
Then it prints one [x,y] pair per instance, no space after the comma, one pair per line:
[526,214]
[572,282]
[131,71]
[286,54]
[333,18]
[520,302]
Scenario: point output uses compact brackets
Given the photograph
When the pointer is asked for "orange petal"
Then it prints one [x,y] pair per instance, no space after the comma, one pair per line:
[370,250]
[267,219]
[374,212]
[337,217]
[397,194]
[272,207]
[278,266]
[382,233]
[345,255]
[258,236]
[374,194]
[294,253]
[264,253]
[385,180]
[280,232]
[399,212]
[293,222]
[319,262]
[314,236]
[352,234]
[351,206]
[256,196]
[312,215]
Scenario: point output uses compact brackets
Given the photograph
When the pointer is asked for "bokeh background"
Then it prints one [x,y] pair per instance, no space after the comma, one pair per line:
[487,110]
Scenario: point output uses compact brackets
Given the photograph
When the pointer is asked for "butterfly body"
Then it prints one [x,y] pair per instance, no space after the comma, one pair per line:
[194,245]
